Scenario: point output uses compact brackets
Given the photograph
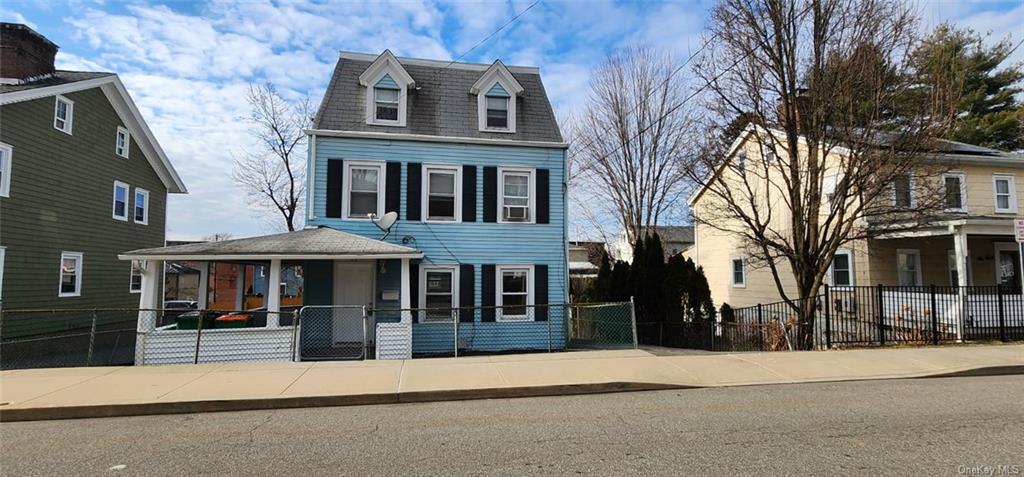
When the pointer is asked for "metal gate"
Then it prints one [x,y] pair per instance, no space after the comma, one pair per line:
[332,332]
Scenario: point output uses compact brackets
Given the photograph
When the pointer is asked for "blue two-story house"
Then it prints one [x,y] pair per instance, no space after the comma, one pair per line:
[470,161]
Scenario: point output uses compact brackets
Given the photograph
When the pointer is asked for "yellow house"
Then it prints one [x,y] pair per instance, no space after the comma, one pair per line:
[972,244]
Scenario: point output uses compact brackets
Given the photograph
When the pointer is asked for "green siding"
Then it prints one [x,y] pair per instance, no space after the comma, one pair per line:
[61,200]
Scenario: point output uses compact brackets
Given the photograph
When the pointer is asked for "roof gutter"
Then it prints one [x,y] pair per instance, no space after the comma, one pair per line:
[426,138]
[199,257]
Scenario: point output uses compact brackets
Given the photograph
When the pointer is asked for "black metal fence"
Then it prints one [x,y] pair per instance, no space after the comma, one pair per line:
[881,315]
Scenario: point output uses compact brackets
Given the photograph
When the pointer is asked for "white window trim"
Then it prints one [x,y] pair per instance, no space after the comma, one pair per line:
[425,195]
[732,272]
[131,274]
[831,277]
[908,251]
[70,121]
[3,258]
[5,183]
[127,201]
[145,208]
[1013,193]
[346,195]
[371,100]
[533,194]
[127,142]
[454,269]
[963,190]
[78,274]
[913,199]
[481,107]
[499,314]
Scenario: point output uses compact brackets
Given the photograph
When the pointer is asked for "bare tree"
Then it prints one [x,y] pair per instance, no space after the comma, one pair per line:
[823,85]
[274,175]
[631,142]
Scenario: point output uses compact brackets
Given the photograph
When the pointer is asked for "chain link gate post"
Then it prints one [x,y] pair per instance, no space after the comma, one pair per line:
[455,323]
[295,334]
[199,334]
[92,339]
[632,312]
[550,317]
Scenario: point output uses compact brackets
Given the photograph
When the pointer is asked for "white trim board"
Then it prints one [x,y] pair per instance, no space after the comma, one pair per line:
[426,138]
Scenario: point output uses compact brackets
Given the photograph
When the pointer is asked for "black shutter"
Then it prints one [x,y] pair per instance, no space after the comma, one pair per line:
[543,196]
[469,193]
[414,289]
[487,292]
[335,176]
[467,287]
[540,292]
[413,185]
[392,187]
[490,194]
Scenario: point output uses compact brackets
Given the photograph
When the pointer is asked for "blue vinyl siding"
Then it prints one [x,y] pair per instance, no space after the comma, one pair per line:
[498,91]
[473,243]
[387,83]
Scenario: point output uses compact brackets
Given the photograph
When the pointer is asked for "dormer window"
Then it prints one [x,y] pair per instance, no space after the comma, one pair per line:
[387,91]
[496,94]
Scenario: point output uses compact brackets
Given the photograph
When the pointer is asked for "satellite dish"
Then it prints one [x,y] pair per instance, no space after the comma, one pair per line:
[386,222]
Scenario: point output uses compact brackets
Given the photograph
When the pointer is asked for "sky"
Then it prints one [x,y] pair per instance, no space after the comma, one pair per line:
[188,64]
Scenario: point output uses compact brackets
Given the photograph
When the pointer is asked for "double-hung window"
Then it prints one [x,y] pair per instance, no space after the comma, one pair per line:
[121,142]
[1005,193]
[902,191]
[63,114]
[120,211]
[515,296]
[135,281]
[141,208]
[443,195]
[739,272]
[70,274]
[841,272]
[364,189]
[440,293]
[955,192]
[516,199]
[386,103]
[6,159]
[908,267]
[497,112]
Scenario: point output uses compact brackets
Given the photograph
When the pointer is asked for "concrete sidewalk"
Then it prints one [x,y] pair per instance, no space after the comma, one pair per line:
[116,391]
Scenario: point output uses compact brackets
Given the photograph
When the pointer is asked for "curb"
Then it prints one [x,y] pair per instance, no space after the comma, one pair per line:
[186,407]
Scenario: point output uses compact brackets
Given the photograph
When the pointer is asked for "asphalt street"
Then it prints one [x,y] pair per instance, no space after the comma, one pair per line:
[949,426]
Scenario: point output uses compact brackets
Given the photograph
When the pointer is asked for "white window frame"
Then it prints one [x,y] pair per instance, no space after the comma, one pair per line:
[145,206]
[732,271]
[5,169]
[347,188]
[454,270]
[3,258]
[532,203]
[831,277]
[398,105]
[69,121]
[425,195]
[910,185]
[122,151]
[508,113]
[78,274]
[899,272]
[1012,184]
[127,201]
[963,191]
[136,266]
[499,299]
[481,107]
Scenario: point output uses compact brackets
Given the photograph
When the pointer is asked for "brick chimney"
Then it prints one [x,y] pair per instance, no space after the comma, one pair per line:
[802,103]
[24,53]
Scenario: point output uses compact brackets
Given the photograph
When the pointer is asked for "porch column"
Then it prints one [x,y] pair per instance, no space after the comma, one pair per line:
[405,301]
[962,255]
[204,285]
[240,287]
[274,294]
[149,298]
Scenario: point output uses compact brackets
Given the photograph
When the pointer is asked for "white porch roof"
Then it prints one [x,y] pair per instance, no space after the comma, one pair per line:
[309,244]
[969,225]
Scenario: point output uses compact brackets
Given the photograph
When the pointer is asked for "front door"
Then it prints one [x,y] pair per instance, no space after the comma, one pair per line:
[1008,266]
[353,289]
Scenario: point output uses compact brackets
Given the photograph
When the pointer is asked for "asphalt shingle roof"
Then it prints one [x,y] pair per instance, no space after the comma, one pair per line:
[308,242]
[57,78]
[440,105]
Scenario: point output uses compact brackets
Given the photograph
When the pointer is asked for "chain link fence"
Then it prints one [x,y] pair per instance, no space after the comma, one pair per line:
[66,337]
[333,332]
